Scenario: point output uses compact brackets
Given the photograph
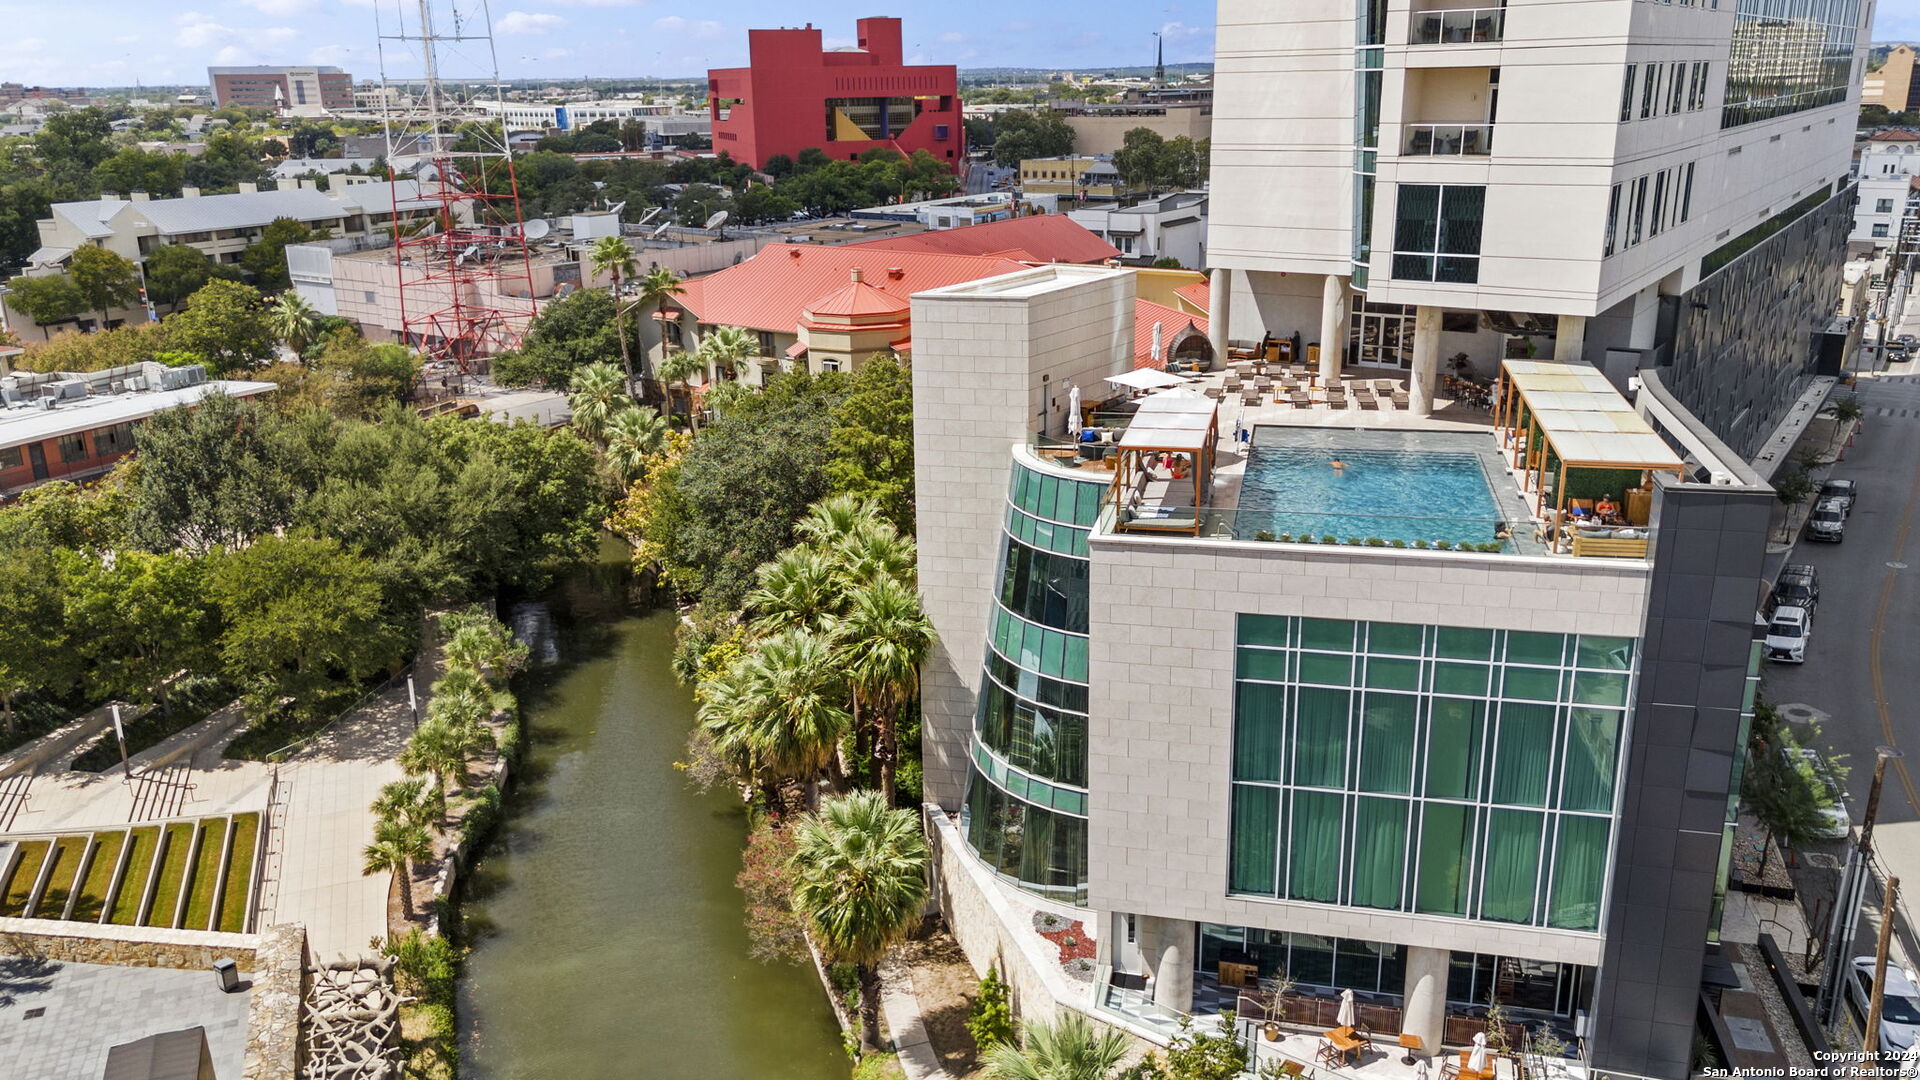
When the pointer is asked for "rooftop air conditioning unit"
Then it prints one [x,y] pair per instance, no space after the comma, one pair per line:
[68,389]
[46,403]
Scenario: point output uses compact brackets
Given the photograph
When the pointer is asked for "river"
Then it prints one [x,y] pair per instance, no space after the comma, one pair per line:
[606,928]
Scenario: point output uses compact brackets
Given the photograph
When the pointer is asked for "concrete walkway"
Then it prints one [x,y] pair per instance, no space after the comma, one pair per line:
[901,1010]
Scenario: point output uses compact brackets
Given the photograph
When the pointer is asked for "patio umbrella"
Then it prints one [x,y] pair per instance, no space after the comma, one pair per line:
[1422,1070]
[1073,411]
[1345,1016]
[1477,1060]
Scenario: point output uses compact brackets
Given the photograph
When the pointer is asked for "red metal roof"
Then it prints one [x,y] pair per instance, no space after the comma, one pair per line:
[859,298]
[1895,135]
[1036,238]
[1199,294]
[772,289]
[1145,314]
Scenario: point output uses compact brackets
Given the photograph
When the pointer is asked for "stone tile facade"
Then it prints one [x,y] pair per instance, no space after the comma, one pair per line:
[1160,735]
[273,1019]
[993,362]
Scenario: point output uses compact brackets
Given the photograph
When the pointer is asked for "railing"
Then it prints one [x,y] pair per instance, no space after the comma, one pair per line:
[1458,27]
[1325,528]
[1447,140]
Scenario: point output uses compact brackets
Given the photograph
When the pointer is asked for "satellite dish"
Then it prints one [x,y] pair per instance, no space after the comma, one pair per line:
[535,229]
[470,252]
[617,207]
[664,226]
[649,215]
[716,220]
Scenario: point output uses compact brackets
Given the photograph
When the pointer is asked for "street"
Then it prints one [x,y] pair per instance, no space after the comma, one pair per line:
[1862,674]
[983,175]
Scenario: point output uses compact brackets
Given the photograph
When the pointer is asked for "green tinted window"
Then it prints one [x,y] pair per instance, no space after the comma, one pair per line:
[1314,846]
[1256,839]
[1393,674]
[1320,737]
[1446,859]
[1594,688]
[1262,630]
[1379,852]
[1579,870]
[1523,754]
[1593,749]
[1454,738]
[1460,643]
[1397,639]
[1260,664]
[1526,648]
[1332,634]
[1330,670]
[1259,726]
[1512,866]
[1532,684]
[1387,743]
[1607,653]
[1460,679]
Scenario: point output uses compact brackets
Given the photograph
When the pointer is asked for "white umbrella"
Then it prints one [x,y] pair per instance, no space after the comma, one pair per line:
[1344,1018]
[1146,379]
[1477,1061]
[1073,411]
[1421,1070]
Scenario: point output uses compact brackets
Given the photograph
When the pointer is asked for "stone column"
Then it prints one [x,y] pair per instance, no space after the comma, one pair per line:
[1426,360]
[1333,327]
[1220,312]
[1425,997]
[1646,318]
[1569,339]
[1168,945]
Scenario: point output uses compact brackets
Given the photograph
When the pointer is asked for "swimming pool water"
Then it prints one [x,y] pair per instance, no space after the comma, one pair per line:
[1406,495]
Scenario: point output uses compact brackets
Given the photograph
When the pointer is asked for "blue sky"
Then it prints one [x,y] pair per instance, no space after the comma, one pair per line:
[116,42]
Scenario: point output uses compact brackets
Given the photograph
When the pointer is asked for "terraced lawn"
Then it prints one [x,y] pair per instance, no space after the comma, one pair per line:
[93,891]
[26,871]
[173,873]
[206,874]
[233,900]
[133,883]
[67,852]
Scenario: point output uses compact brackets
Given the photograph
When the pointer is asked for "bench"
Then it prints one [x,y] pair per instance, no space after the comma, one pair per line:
[1608,547]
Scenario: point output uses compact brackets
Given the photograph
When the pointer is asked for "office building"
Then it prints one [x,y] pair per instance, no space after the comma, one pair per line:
[1102,129]
[295,91]
[1071,176]
[1169,227]
[1884,174]
[1201,699]
[1893,87]
[795,94]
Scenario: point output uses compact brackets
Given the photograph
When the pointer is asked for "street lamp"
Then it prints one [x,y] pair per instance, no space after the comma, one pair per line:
[1853,886]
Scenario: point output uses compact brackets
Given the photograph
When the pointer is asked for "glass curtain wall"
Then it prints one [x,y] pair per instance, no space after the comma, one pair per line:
[1369,61]
[1788,56]
[1026,805]
[1431,769]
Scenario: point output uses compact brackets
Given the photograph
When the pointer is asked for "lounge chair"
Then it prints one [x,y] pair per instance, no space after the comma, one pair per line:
[1215,392]
[1365,399]
[1301,400]
[1399,399]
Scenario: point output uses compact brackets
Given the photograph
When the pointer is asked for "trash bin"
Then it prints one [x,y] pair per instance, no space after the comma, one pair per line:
[227,974]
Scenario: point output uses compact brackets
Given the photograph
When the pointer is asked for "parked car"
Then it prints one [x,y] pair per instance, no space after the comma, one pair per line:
[1797,586]
[1907,340]
[1899,1007]
[1841,491]
[1835,821]
[1787,634]
[1828,523]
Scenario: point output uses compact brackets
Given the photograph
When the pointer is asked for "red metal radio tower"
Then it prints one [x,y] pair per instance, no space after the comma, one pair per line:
[464,277]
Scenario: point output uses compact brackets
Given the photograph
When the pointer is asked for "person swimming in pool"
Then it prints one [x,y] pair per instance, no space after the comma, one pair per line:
[1338,465]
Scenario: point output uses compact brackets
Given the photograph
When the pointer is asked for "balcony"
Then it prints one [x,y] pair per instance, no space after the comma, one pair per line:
[1460,26]
[1447,140]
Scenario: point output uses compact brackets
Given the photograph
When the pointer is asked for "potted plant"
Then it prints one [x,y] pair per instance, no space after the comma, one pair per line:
[1272,1000]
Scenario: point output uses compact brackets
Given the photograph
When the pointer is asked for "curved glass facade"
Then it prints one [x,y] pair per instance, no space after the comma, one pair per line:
[1026,804]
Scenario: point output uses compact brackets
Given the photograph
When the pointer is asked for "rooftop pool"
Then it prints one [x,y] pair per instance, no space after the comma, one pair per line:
[1351,493]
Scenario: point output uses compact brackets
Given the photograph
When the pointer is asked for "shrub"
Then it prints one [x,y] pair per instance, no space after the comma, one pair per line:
[1329,540]
[1374,541]
[481,817]
[1443,545]
[1397,543]
[1286,538]
[775,932]
[1264,534]
[1422,545]
[990,1020]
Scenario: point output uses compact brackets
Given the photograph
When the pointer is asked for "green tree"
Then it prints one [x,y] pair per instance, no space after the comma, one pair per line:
[1065,1048]
[613,256]
[293,321]
[1197,1055]
[225,326]
[872,440]
[725,348]
[1142,160]
[525,504]
[567,335]
[39,657]
[265,260]
[147,617]
[363,379]
[1019,134]
[799,588]
[880,643]
[762,204]
[442,749]
[213,476]
[482,644]
[632,436]
[47,300]
[133,169]
[990,1020]
[861,881]
[303,622]
[788,713]
[678,370]
[396,847]
[177,271]
[106,279]
[71,144]
[405,802]
[599,393]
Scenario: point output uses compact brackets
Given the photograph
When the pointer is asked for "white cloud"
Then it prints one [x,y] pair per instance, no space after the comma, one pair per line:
[555,54]
[233,45]
[952,38]
[704,29]
[595,3]
[515,23]
[330,54]
[280,8]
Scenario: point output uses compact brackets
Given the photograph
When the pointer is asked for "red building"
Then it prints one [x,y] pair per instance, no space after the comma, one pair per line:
[795,94]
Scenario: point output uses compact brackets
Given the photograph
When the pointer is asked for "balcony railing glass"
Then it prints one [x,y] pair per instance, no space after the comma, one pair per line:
[1447,140]
[1460,26]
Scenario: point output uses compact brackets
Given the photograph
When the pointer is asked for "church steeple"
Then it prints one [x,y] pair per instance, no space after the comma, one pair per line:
[1159,60]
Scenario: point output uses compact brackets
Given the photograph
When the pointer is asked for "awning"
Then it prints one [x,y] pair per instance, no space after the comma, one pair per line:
[1178,420]
[796,350]
[1585,419]
[1148,379]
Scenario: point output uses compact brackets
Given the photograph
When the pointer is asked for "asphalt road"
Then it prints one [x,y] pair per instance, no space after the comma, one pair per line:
[982,176]
[1861,680]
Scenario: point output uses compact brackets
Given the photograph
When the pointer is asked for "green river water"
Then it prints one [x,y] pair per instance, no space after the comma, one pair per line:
[606,928]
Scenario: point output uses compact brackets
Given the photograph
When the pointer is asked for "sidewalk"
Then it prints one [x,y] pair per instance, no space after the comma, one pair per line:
[901,1011]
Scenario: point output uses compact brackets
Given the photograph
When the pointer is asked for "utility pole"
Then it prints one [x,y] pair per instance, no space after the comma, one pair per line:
[1853,886]
[1871,1044]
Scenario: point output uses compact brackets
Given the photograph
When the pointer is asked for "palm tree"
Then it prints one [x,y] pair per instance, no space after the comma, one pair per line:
[657,286]
[484,645]
[613,255]
[860,881]
[791,704]
[632,435]
[798,588]
[293,321]
[1066,1048]
[405,802]
[835,518]
[726,348]
[875,549]
[441,749]
[881,642]
[679,369]
[725,709]
[597,397]
[396,847]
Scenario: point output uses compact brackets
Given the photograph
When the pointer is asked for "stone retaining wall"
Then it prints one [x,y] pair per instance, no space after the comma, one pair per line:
[127,946]
[60,744]
[273,1014]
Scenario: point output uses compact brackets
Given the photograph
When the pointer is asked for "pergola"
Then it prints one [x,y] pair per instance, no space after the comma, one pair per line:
[1169,422]
[1555,418]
